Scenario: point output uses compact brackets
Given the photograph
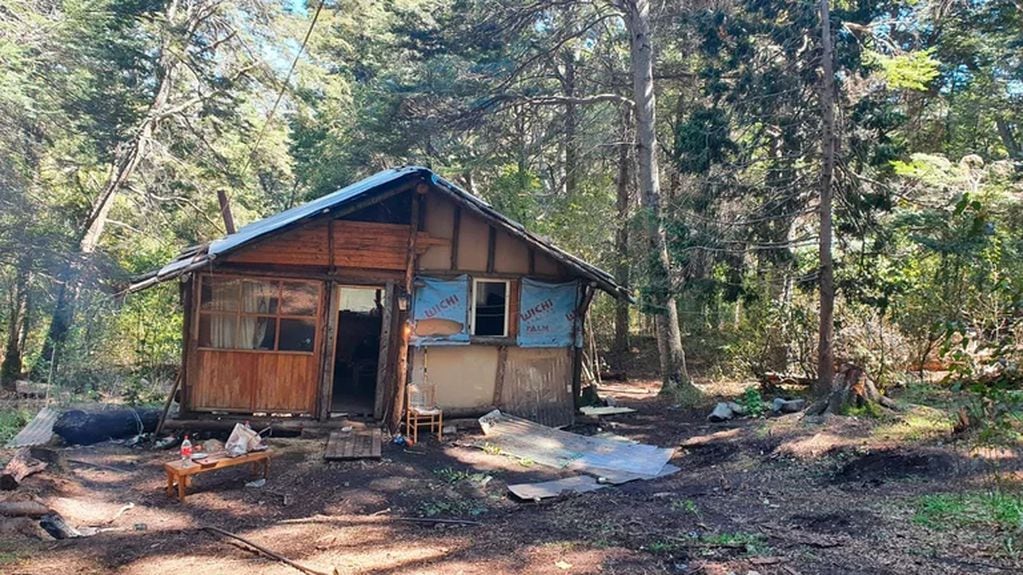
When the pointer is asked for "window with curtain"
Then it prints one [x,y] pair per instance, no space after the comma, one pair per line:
[257,314]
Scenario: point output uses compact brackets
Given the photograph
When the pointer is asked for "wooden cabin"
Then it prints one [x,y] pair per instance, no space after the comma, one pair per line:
[330,308]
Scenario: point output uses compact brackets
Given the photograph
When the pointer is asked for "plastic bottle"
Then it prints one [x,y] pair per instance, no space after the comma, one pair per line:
[186,449]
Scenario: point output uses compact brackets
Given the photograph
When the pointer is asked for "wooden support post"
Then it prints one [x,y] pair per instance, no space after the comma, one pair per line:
[491,249]
[456,226]
[384,362]
[401,375]
[189,341]
[577,355]
[502,361]
[225,211]
[329,323]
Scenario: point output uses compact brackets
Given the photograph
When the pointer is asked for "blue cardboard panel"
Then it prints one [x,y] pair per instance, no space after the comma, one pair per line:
[440,311]
[547,314]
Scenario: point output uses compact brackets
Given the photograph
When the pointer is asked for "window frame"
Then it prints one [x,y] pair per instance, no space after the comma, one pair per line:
[507,307]
[277,317]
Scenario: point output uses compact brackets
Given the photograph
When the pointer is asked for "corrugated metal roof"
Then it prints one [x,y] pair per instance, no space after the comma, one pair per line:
[202,256]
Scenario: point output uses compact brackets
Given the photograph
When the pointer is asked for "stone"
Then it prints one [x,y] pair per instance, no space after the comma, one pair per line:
[721,412]
[792,405]
[736,408]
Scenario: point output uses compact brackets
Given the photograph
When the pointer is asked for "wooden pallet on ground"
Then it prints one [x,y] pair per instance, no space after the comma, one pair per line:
[354,444]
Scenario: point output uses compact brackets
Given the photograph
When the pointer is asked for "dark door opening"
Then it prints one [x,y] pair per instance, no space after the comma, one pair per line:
[357,351]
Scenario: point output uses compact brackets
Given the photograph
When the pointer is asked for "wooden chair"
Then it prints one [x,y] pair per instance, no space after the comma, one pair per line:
[421,407]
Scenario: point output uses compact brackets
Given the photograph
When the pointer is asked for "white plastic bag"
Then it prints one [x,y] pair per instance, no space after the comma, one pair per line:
[243,440]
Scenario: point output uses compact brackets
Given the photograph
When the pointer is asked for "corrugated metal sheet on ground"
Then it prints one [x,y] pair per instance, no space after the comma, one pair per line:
[38,431]
[581,483]
[547,489]
[564,450]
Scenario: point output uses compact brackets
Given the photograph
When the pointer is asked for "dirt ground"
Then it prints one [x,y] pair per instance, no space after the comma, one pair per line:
[779,495]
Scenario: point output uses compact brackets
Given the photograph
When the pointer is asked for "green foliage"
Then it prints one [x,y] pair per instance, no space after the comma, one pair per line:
[998,510]
[11,422]
[452,476]
[686,505]
[911,71]
[752,543]
[451,506]
[753,402]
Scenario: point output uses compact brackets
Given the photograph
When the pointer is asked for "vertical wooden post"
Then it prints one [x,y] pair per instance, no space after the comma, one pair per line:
[577,352]
[384,363]
[330,327]
[225,211]
[492,250]
[189,300]
[456,226]
[401,375]
[502,366]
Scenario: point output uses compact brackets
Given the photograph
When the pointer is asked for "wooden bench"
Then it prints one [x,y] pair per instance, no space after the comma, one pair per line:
[180,472]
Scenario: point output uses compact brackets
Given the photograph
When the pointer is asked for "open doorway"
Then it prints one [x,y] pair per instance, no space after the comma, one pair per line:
[357,351]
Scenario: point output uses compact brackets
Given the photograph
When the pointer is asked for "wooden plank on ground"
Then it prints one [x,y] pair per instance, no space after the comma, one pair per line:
[353,444]
[38,431]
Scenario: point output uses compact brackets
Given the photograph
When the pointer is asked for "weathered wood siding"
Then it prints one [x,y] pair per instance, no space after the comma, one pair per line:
[247,381]
[363,245]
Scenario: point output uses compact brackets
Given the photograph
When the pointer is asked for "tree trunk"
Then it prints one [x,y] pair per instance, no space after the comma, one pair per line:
[127,157]
[1008,139]
[674,378]
[854,391]
[825,349]
[569,57]
[623,266]
[17,326]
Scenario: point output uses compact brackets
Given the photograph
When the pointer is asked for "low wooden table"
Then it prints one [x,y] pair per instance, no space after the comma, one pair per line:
[180,472]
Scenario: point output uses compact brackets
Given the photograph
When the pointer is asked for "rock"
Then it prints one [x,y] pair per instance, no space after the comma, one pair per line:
[449,430]
[780,405]
[736,408]
[721,412]
[790,406]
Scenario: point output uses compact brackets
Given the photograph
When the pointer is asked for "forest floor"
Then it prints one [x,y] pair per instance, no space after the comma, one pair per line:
[780,495]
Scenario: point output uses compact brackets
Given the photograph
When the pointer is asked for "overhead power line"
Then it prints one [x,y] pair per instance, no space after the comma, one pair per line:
[284,86]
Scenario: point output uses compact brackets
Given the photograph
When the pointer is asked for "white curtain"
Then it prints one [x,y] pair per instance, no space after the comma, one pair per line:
[257,297]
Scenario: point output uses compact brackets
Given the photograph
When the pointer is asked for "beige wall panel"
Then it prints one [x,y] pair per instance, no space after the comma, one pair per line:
[546,266]
[473,243]
[538,385]
[464,374]
[511,255]
[440,219]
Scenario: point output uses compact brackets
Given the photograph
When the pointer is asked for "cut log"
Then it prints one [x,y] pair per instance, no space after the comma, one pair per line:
[18,468]
[85,427]
[853,390]
[23,509]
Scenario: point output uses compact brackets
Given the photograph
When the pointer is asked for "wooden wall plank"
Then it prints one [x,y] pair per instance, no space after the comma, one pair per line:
[364,245]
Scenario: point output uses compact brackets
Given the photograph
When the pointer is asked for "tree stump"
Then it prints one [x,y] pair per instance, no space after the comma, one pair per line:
[853,390]
[18,468]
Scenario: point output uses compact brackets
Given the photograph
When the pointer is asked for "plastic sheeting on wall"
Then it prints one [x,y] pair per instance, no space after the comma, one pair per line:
[547,314]
[440,311]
